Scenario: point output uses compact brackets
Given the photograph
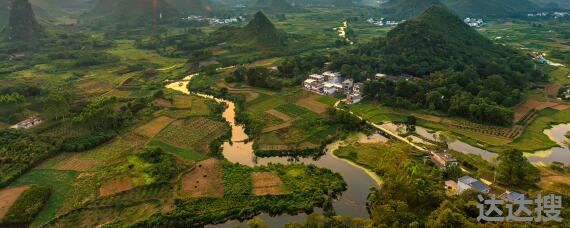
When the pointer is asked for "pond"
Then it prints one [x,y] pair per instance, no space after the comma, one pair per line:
[561,153]
[557,134]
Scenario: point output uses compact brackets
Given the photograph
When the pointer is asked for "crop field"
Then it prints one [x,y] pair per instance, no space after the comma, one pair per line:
[127,52]
[182,102]
[154,127]
[278,114]
[292,109]
[205,180]
[60,184]
[312,104]
[115,186]
[266,183]
[116,148]
[195,133]
[524,35]
[8,197]
[533,138]
[187,154]
[96,217]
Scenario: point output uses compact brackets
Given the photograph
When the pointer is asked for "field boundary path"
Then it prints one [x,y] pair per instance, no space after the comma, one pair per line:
[394,135]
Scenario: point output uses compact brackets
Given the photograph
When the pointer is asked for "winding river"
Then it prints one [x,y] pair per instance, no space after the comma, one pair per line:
[352,202]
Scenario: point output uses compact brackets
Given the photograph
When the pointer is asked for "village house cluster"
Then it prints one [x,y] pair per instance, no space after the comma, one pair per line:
[214,21]
[27,123]
[383,22]
[555,15]
[539,57]
[474,22]
[329,83]
[444,160]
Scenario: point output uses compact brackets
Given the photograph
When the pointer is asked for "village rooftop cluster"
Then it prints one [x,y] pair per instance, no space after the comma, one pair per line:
[474,22]
[214,21]
[329,83]
[555,15]
[445,161]
[383,22]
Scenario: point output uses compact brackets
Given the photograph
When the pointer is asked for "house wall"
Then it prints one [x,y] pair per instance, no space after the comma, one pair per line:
[462,187]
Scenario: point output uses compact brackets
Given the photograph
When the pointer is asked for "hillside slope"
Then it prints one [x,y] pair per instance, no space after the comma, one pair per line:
[132,11]
[192,6]
[404,9]
[438,39]
[491,8]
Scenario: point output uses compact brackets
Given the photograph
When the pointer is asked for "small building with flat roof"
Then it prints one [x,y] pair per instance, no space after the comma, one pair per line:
[466,182]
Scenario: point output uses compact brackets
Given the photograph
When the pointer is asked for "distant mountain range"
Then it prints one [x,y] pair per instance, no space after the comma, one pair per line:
[403,9]
[132,11]
[193,6]
[553,4]
[491,8]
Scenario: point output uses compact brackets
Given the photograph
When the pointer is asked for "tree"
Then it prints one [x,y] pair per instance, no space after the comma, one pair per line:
[411,123]
[256,222]
[447,216]
[57,99]
[515,169]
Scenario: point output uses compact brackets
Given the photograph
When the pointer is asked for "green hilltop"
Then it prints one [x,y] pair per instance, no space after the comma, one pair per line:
[259,33]
[404,9]
[437,40]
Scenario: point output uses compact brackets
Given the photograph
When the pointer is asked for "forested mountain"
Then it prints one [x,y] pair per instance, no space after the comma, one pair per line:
[491,8]
[404,9]
[550,4]
[462,72]
[132,11]
[261,31]
[22,24]
[192,6]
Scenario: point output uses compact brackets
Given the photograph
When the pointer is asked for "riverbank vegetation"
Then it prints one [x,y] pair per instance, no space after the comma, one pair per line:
[305,187]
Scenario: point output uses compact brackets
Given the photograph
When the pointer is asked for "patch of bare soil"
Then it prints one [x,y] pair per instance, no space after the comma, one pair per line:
[267,183]
[278,114]
[162,103]
[311,104]
[75,163]
[8,197]
[205,180]
[116,186]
